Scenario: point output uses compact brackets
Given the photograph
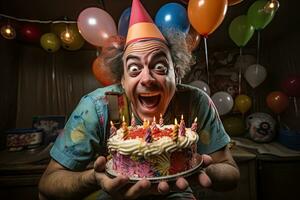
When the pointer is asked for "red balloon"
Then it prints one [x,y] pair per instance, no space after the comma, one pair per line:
[277,101]
[30,33]
[102,73]
[291,86]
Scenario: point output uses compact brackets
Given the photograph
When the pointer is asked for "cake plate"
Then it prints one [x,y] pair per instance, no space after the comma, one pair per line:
[112,173]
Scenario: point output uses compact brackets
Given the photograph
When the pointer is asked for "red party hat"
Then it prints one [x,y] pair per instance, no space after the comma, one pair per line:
[141,26]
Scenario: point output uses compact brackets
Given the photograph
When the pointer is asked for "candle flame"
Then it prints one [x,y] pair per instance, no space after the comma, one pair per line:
[154,120]
[175,121]
[195,120]
[111,123]
[123,118]
[181,116]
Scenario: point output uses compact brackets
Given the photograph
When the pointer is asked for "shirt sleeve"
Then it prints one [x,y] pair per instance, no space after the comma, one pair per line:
[212,135]
[76,145]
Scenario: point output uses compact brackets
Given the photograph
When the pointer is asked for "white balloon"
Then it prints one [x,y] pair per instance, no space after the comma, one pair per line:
[223,102]
[201,85]
[255,75]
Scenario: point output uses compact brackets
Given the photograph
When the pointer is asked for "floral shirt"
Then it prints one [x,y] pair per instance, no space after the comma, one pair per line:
[85,133]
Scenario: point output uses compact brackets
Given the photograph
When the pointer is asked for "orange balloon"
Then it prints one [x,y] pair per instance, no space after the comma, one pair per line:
[277,101]
[206,15]
[102,73]
[233,2]
[193,39]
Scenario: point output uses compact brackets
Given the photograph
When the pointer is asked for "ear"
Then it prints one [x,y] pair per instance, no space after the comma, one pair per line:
[177,78]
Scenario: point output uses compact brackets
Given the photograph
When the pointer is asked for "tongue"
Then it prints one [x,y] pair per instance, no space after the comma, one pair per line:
[150,102]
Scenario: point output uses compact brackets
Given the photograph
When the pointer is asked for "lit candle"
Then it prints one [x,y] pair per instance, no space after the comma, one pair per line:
[113,129]
[153,123]
[175,131]
[182,127]
[194,125]
[145,123]
[161,121]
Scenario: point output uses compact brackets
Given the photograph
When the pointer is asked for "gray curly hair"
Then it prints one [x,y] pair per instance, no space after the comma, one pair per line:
[182,57]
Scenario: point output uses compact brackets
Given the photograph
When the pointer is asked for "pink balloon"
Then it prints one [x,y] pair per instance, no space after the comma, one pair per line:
[96,25]
[291,85]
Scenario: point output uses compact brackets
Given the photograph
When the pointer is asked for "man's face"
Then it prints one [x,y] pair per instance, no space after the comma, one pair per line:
[149,78]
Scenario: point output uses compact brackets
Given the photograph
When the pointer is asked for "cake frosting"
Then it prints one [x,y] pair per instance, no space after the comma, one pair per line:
[152,150]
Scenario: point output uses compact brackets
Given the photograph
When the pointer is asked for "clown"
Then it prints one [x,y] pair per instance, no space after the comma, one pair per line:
[149,67]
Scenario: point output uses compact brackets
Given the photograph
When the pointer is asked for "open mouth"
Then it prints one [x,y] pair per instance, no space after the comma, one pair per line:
[149,100]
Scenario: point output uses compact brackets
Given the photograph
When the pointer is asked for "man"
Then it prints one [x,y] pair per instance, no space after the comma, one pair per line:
[148,88]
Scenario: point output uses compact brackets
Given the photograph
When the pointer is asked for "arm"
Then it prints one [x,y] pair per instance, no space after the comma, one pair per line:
[58,182]
[222,174]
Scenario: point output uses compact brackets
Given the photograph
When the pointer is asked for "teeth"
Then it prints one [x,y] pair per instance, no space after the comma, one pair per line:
[149,94]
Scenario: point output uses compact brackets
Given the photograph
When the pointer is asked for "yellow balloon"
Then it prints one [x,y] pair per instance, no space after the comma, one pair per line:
[50,42]
[243,103]
[77,40]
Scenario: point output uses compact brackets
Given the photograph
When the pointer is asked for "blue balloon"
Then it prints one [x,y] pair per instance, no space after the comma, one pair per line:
[124,22]
[174,16]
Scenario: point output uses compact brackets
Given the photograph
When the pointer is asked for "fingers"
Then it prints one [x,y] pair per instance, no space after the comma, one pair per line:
[99,164]
[204,180]
[163,187]
[207,160]
[182,184]
[138,189]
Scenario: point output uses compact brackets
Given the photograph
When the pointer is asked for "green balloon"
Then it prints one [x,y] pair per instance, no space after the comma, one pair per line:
[257,15]
[234,126]
[50,42]
[240,30]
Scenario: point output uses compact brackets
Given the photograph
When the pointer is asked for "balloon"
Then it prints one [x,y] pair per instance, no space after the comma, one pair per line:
[77,40]
[95,25]
[192,39]
[102,73]
[277,101]
[206,15]
[223,102]
[50,42]
[255,75]
[201,85]
[291,85]
[124,22]
[257,15]
[234,126]
[261,127]
[240,30]
[174,16]
[243,103]
[234,2]
[30,33]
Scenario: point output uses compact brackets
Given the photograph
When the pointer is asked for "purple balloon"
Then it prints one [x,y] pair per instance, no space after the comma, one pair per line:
[96,25]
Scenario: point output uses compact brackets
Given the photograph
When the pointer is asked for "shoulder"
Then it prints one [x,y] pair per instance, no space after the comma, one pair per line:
[100,93]
[193,92]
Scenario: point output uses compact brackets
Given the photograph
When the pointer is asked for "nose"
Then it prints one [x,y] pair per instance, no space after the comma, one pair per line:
[147,78]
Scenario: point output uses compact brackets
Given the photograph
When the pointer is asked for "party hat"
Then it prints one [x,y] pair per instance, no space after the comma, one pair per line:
[141,26]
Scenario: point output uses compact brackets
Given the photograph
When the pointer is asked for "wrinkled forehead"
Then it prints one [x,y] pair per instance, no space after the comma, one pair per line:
[145,47]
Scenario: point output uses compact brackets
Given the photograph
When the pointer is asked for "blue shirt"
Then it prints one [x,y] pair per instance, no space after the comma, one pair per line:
[85,132]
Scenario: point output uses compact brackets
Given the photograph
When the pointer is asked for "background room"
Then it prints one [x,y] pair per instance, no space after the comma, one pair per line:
[247,60]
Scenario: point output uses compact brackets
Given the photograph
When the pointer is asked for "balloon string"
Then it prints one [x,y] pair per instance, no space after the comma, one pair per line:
[296,106]
[206,59]
[258,47]
[279,120]
[240,73]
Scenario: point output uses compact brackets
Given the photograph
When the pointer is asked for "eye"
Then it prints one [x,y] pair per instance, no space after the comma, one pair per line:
[133,69]
[160,68]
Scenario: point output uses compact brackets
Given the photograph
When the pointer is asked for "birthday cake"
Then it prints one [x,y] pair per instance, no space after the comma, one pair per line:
[153,150]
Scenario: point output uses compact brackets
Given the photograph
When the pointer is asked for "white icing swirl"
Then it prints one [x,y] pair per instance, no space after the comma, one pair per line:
[138,146]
